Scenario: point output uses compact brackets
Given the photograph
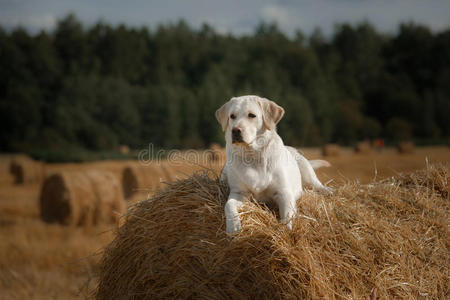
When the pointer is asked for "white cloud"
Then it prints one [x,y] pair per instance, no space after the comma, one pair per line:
[276,13]
[34,22]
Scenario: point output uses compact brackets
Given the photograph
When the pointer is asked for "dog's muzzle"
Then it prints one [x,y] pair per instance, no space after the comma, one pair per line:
[236,135]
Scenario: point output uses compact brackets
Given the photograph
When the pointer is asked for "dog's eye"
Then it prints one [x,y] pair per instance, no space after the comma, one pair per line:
[233,116]
[250,115]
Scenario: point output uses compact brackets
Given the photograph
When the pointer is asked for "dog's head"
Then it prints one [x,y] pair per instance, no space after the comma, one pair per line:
[245,118]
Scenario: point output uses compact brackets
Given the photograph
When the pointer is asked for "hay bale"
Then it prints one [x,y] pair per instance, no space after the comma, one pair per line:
[144,178]
[109,204]
[26,170]
[434,177]
[216,154]
[180,169]
[81,198]
[406,147]
[124,149]
[5,175]
[363,147]
[331,150]
[382,235]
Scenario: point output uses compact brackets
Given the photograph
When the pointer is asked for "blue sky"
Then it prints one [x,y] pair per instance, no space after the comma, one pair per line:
[238,17]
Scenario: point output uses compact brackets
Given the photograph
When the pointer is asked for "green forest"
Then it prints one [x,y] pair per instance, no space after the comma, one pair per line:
[101,86]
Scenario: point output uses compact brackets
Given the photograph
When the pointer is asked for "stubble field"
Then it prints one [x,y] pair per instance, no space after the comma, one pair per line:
[50,261]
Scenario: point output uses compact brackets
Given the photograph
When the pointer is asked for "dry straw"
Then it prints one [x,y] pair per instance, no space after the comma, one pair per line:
[81,198]
[26,170]
[391,235]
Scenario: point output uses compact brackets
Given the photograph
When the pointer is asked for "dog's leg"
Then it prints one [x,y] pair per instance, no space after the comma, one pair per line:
[309,177]
[287,207]
[231,212]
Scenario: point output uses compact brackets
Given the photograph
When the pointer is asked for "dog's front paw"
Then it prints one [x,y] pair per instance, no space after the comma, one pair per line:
[233,225]
[326,190]
[288,223]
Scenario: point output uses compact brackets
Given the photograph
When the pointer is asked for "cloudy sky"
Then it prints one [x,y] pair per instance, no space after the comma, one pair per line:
[236,16]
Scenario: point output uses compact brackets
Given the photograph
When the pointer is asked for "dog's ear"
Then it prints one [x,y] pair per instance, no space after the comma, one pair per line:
[222,116]
[271,113]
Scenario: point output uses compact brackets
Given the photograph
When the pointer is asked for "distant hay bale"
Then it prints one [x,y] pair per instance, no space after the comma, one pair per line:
[81,198]
[406,147]
[26,170]
[124,149]
[110,204]
[363,147]
[216,154]
[390,235]
[177,170]
[5,173]
[143,178]
[331,150]
[215,146]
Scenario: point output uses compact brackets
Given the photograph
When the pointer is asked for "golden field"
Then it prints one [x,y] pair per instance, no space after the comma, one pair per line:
[42,261]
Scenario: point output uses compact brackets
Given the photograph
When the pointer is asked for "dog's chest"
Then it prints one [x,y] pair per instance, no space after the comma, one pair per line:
[256,179]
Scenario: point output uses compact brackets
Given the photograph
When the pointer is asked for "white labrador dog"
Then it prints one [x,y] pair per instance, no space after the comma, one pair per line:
[258,162]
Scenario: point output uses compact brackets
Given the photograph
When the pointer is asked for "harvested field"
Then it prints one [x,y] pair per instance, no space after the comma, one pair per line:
[115,167]
[390,235]
[364,168]
[41,261]
[406,147]
[363,147]
[331,150]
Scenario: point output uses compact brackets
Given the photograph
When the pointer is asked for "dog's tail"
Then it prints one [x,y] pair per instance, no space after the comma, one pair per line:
[319,163]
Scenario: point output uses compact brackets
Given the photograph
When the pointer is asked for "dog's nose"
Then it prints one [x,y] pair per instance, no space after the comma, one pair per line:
[236,135]
[236,131]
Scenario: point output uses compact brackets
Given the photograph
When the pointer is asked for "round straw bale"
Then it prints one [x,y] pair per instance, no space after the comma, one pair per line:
[5,174]
[81,198]
[216,154]
[67,198]
[174,245]
[142,178]
[331,150]
[124,149]
[215,146]
[110,204]
[26,170]
[406,147]
[363,147]
[435,177]
[179,169]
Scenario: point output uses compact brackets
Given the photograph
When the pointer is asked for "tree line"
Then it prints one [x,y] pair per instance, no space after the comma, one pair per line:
[98,87]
